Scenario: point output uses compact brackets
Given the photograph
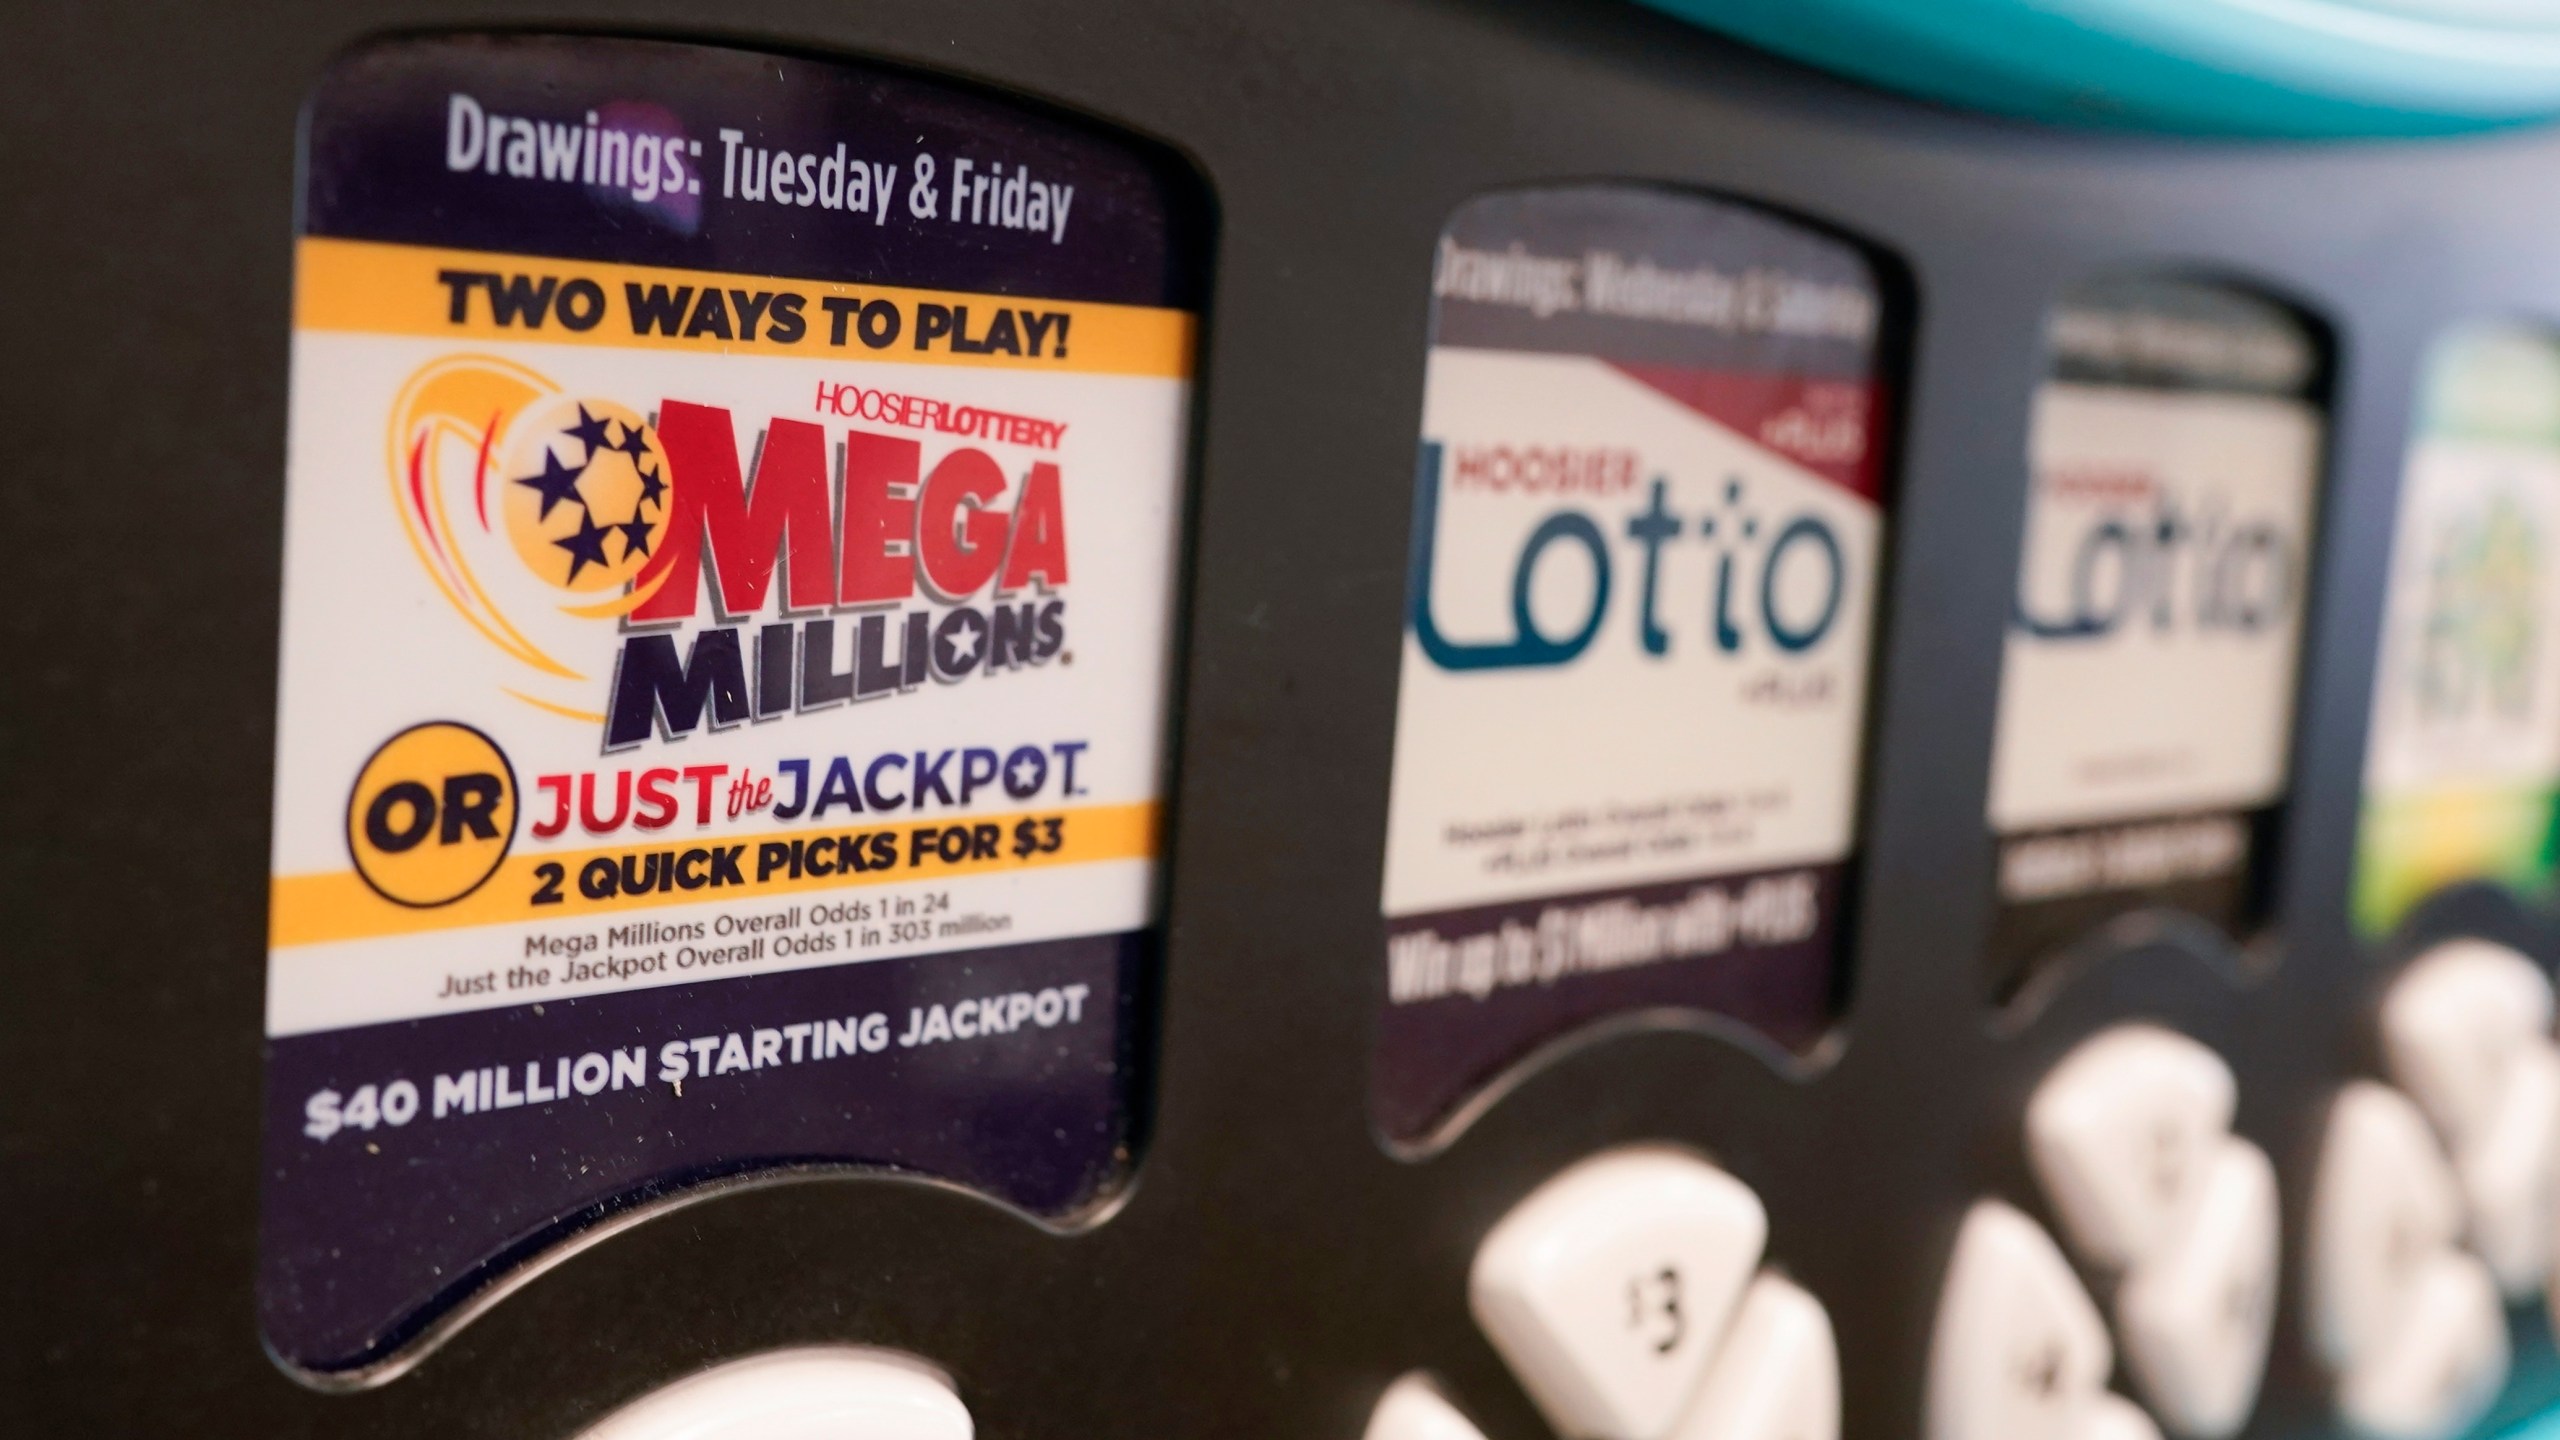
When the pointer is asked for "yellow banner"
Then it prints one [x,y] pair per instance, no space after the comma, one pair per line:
[374,288]
[572,884]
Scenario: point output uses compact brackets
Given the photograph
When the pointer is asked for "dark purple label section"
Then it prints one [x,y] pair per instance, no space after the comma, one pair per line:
[2059,887]
[458,1146]
[648,153]
[1471,993]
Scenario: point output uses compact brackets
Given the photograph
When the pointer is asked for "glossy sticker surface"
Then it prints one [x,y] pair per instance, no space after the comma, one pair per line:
[2146,697]
[2462,763]
[1647,519]
[733,507]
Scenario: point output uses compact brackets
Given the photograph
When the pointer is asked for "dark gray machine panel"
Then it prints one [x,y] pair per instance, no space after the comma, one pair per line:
[1273,1264]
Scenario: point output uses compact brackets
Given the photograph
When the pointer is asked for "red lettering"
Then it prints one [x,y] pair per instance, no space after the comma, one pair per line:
[1039,533]
[877,561]
[657,807]
[558,785]
[960,542]
[587,816]
[703,777]
[783,518]
[894,529]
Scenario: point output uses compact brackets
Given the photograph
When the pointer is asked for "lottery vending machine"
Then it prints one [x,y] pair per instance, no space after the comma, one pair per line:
[1418,720]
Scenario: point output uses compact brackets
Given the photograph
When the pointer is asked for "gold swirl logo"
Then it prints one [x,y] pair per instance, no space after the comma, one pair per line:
[535,512]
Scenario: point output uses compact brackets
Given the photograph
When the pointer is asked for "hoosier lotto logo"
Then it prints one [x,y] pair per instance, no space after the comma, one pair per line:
[701,569]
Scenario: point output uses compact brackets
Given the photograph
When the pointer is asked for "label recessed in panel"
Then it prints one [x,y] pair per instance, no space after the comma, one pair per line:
[1647,522]
[732,524]
[2462,766]
[2146,697]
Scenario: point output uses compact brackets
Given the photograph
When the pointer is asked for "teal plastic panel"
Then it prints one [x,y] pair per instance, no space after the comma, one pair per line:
[2542,1427]
[2305,68]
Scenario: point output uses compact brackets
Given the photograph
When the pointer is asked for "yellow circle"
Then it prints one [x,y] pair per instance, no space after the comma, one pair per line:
[432,814]
[587,494]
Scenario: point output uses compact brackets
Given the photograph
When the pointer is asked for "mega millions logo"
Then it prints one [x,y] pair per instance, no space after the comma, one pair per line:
[551,521]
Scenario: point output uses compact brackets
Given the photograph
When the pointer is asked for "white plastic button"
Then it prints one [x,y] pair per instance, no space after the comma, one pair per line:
[2441,1362]
[1777,1375]
[819,1393]
[2452,1025]
[1412,1409]
[2383,1203]
[2506,1173]
[2194,1318]
[1608,1288]
[2114,1417]
[2119,1134]
[2020,1353]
